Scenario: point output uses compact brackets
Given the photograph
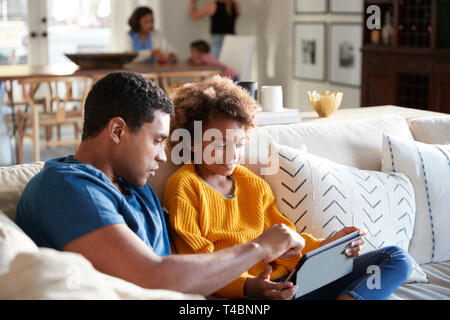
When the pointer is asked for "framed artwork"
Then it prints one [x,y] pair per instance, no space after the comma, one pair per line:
[310,6]
[346,6]
[345,54]
[309,51]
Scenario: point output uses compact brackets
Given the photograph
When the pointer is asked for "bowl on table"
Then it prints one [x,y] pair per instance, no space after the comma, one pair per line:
[101,60]
[326,103]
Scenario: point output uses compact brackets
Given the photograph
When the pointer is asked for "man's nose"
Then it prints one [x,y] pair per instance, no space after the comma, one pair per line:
[161,156]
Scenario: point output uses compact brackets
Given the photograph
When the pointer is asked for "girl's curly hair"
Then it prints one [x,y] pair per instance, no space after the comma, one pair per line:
[216,97]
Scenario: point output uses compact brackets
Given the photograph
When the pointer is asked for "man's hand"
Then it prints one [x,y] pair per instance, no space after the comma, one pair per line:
[262,287]
[355,247]
[279,241]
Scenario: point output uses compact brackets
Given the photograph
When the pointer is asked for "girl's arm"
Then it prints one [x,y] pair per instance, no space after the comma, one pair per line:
[189,239]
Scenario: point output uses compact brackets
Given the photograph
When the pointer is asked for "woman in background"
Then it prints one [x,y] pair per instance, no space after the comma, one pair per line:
[142,38]
[223,15]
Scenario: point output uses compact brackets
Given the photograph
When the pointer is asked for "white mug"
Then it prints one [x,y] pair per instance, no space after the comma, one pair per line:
[272,98]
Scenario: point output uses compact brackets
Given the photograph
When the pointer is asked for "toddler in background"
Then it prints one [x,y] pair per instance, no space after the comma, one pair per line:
[200,55]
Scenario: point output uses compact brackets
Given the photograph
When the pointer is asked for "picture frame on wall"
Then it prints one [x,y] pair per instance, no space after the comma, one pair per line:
[308,6]
[346,6]
[310,51]
[345,54]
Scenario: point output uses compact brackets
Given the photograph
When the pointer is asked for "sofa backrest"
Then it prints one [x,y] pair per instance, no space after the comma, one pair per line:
[12,182]
[356,143]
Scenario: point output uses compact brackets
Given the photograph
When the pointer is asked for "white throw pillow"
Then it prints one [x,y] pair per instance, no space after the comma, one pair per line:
[433,130]
[12,242]
[12,182]
[428,168]
[29,272]
[51,274]
[321,197]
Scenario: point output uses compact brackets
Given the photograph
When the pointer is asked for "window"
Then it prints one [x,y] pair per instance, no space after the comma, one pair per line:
[13,32]
[78,26]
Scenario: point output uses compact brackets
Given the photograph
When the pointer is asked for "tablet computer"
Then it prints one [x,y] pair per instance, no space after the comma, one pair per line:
[322,266]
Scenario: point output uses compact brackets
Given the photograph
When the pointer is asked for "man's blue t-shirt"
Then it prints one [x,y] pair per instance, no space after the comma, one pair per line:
[69,199]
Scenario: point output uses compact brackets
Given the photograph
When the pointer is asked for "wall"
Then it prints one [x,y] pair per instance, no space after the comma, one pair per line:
[272,22]
[180,30]
[120,13]
[295,90]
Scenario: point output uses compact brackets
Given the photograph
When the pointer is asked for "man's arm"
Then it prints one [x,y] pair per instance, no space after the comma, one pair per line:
[117,251]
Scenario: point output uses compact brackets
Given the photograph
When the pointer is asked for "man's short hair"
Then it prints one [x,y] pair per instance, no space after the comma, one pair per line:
[123,94]
[201,46]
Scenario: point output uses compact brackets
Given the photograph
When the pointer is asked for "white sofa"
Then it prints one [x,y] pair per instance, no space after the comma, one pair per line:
[351,138]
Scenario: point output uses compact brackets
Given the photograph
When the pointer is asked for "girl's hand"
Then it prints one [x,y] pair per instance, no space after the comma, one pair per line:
[262,287]
[355,247]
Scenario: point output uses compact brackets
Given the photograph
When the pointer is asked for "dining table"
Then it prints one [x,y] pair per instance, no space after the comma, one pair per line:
[11,73]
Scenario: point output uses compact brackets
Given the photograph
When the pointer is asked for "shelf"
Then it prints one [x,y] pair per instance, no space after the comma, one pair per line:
[400,50]
[380,2]
[377,47]
[442,52]
[385,8]
[414,71]
[414,23]
[443,24]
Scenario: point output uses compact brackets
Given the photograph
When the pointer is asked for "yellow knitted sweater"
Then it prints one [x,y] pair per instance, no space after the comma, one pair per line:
[202,220]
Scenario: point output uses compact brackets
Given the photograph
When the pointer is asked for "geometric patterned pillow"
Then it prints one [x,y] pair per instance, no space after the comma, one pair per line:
[321,197]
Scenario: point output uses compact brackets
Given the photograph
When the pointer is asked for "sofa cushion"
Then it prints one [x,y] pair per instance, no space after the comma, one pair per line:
[12,242]
[29,272]
[433,130]
[321,197]
[50,274]
[428,168]
[437,288]
[12,182]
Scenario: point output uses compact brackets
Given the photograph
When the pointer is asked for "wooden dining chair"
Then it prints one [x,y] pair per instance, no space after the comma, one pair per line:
[171,81]
[20,103]
[152,76]
[57,113]
[68,86]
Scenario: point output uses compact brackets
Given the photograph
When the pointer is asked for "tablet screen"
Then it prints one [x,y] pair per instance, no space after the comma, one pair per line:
[323,265]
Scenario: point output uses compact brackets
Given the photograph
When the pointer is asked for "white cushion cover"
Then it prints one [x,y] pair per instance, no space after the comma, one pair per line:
[432,130]
[428,168]
[12,182]
[321,197]
[12,242]
[29,272]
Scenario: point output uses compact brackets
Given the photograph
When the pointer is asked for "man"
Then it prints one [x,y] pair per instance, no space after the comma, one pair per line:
[97,202]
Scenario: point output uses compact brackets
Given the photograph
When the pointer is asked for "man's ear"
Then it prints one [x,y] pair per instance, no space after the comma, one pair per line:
[116,129]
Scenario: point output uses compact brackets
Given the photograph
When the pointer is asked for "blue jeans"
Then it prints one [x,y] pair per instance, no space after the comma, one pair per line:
[216,44]
[394,265]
